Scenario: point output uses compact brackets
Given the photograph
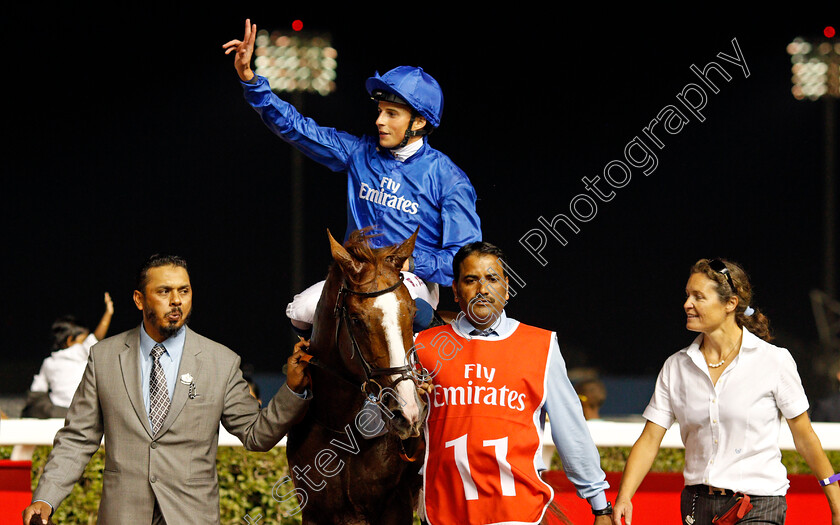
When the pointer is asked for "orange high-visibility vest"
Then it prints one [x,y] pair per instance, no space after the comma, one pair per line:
[483,429]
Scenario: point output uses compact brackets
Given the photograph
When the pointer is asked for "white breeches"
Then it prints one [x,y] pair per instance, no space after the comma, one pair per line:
[302,307]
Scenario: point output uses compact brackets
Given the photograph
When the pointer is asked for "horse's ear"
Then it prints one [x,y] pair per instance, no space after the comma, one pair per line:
[348,264]
[404,250]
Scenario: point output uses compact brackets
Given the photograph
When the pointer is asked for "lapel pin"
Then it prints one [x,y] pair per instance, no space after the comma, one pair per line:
[187,379]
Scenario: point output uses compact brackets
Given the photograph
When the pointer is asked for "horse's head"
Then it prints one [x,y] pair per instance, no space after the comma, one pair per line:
[378,313]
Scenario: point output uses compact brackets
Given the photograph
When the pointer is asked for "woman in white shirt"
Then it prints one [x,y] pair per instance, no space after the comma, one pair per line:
[727,391]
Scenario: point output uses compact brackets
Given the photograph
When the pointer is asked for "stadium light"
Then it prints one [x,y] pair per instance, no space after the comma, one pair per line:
[815,68]
[296,62]
[816,75]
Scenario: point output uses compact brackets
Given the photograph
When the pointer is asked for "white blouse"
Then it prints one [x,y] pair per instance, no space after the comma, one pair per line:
[731,430]
[62,372]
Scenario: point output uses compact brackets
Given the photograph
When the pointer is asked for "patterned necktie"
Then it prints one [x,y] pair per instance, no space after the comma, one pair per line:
[158,393]
[483,333]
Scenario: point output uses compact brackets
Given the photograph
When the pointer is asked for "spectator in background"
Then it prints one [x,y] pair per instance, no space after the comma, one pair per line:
[253,388]
[827,409]
[53,387]
[592,394]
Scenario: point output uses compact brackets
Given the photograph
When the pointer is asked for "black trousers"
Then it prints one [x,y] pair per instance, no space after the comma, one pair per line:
[695,501]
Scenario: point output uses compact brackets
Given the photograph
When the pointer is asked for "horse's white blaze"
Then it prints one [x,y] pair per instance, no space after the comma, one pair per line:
[389,306]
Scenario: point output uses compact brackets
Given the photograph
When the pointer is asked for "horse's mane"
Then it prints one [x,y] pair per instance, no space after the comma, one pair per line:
[358,246]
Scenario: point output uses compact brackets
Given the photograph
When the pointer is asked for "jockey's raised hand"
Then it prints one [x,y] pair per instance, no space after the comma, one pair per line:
[244,50]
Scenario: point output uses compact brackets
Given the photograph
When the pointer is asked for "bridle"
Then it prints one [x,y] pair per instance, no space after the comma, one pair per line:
[406,372]
[370,387]
[340,311]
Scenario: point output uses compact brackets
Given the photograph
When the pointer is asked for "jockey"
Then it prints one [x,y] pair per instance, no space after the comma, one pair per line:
[396,182]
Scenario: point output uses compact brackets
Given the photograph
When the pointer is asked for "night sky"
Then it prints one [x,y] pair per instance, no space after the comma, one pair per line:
[127,134]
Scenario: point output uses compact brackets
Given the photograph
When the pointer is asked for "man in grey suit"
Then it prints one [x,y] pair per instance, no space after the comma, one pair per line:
[160,455]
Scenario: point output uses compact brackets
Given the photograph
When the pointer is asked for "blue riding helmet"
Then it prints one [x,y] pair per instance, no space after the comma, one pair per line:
[414,87]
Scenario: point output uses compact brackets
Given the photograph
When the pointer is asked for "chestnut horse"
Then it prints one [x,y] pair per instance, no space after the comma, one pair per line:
[361,337]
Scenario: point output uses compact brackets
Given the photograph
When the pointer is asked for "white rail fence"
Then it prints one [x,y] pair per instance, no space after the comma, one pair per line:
[26,434]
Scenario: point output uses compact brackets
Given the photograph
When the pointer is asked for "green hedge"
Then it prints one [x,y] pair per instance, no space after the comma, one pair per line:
[246,481]
[673,460]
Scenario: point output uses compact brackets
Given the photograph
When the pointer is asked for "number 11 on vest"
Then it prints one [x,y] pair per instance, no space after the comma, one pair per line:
[462,461]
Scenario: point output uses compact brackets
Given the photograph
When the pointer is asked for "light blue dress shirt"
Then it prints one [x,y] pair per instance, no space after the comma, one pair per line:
[169,361]
[570,434]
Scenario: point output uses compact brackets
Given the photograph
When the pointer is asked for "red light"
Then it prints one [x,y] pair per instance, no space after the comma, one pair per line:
[297,25]
[828,32]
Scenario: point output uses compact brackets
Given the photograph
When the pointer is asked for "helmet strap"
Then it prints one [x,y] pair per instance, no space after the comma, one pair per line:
[408,132]
[425,130]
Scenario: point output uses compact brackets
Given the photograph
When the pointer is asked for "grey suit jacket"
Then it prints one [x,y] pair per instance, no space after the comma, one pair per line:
[176,468]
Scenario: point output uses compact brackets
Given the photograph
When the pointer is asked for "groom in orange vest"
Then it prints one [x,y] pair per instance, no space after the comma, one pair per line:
[495,380]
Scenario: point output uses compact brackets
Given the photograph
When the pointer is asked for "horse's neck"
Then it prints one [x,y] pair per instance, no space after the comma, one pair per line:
[324,326]
[337,396]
